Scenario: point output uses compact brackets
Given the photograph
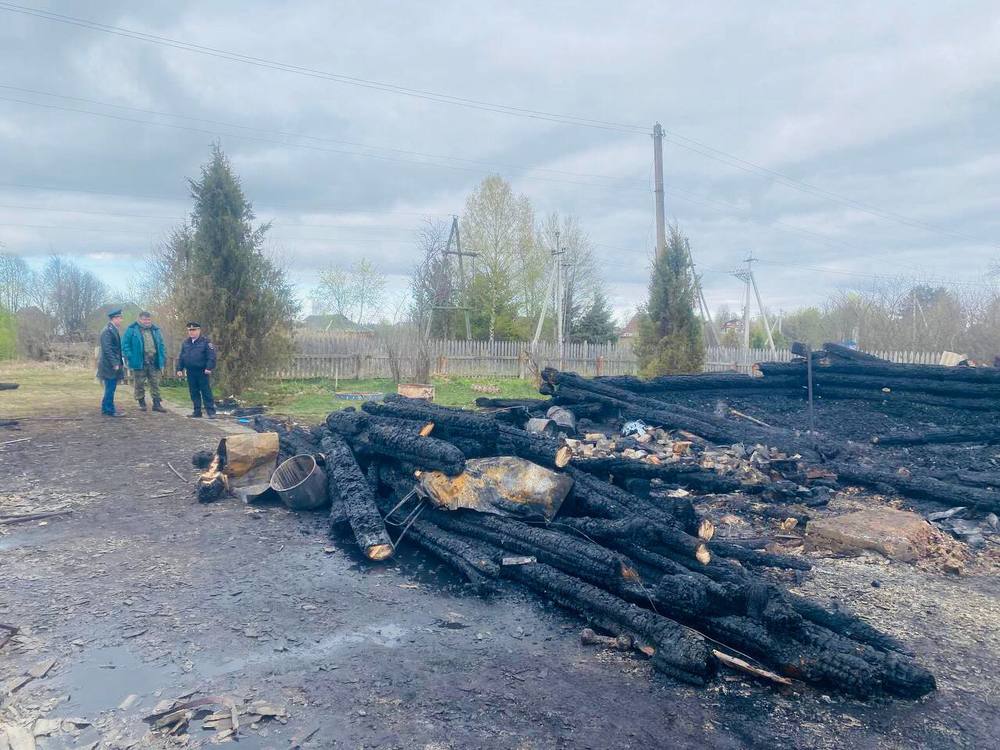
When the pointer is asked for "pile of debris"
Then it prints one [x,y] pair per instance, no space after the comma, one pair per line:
[502,505]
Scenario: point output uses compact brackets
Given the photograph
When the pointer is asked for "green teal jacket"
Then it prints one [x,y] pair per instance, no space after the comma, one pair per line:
[135,351]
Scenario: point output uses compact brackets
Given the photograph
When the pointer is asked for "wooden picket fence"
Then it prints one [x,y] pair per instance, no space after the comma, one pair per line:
[351,356]
[354,357]
[908,358]
[359,357]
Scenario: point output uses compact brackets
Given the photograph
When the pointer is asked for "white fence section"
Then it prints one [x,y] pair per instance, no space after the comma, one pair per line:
[349,356]
[909,358]
[360,357]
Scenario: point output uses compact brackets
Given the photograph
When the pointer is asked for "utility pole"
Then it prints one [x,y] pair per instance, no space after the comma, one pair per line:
[706,313]
[455,238]
[555,284]
[750,284]
[661,219]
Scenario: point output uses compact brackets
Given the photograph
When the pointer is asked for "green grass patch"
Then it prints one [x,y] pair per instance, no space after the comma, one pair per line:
[314,398]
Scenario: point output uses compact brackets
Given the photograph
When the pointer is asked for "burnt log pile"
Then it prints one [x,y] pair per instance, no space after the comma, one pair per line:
[648,571]
[838,376]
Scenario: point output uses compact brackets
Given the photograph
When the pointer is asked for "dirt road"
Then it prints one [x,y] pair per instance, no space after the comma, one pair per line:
[141,591]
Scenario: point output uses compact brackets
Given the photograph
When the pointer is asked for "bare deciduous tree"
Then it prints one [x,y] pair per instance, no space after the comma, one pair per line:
[70,294]
[17,283]
[355,293]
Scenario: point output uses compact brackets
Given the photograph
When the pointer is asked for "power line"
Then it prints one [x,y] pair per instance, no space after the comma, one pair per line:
[916,278]
[175,199]
[286,144]
[109,231]
[314,73]
[285,134]
[677,139]
[275,222]
[685,195]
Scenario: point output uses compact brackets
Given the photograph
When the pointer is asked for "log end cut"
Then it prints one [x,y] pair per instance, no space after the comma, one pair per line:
[379,552]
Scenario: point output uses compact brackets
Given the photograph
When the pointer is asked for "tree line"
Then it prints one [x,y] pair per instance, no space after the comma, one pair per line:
[215,268]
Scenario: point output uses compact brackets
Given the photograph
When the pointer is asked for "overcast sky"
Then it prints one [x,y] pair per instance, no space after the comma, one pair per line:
[860,138]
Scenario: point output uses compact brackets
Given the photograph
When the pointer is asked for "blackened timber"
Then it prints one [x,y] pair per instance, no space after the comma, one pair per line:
[426,452]
[347,482]
[846,624]
[920,487]
[591,491]
[889,369]
[942,436]
[663,414]
[474,561]
[836,393]
[531,404]
[540,450]
[677,651]
[583,558]
[758,559]
[687,475]
[847,673]
[641,530]
[454,421]
[667,384]
[840,351]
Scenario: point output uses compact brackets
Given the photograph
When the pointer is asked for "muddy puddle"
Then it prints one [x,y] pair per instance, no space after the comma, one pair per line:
[108,676]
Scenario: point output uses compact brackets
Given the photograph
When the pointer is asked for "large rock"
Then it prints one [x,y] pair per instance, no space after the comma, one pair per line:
[897,534]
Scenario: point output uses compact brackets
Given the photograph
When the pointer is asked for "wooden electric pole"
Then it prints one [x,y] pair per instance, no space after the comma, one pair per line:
[661,219]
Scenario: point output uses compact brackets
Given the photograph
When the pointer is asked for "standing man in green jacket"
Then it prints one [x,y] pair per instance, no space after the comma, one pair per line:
[146,356]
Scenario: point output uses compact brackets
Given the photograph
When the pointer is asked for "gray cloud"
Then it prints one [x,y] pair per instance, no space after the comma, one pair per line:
[893,105]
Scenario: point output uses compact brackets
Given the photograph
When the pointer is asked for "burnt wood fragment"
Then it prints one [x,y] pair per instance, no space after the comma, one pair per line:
[347,483]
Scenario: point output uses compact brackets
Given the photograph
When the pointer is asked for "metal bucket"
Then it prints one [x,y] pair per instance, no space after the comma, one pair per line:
[300,483]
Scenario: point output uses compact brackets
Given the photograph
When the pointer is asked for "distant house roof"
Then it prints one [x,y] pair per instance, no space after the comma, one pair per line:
[336,322]
[734,324]
[631,328]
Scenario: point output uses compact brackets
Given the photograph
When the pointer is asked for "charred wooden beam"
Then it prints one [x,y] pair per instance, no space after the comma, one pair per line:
[347,483]
[668,384]
[530,404]
[837,393]
[846,624]
[426,452]
[989,435]
[756,558]
[956,375]
[593,496]
[715,429]
[685,475]
[540,450]
[839,351]
[576,555]
[675,649]
[808,662]
[452,421]
[642,531]
[919,487]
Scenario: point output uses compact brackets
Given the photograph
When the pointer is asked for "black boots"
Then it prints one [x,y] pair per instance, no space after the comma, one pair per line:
[142,404]
[158,407]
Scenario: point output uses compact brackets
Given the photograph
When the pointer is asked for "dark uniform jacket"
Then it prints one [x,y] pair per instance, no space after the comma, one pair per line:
[111,355]
[196,355]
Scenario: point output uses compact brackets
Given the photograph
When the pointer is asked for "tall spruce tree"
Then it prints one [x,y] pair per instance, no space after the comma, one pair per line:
[670,335]
[222,278]
[596,325]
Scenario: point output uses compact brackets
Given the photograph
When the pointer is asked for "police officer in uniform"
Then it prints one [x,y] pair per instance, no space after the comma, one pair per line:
[110,363]
[197,359]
